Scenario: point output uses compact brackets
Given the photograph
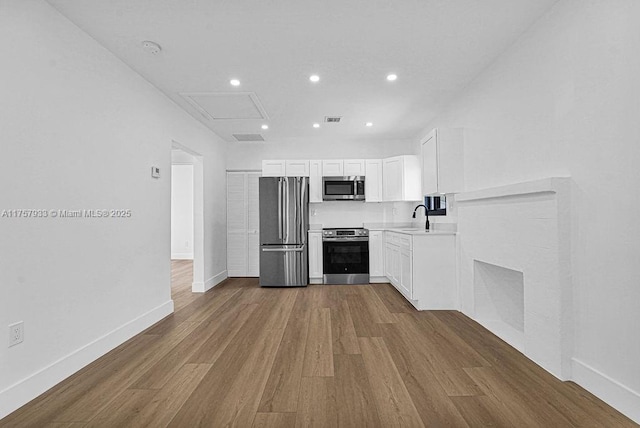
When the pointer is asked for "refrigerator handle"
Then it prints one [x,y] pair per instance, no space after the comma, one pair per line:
[280,208]
[301,196]
[287,207]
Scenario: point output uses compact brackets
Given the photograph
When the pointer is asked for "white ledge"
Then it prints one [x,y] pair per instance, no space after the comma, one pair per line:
[544,185]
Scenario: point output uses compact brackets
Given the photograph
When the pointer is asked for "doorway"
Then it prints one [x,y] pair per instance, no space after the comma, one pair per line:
[187,219]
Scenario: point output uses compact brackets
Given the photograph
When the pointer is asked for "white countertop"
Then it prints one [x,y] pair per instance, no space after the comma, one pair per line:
[417,231]
[407,229]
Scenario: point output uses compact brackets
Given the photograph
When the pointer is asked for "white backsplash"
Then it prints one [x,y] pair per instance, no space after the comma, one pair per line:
[354,214]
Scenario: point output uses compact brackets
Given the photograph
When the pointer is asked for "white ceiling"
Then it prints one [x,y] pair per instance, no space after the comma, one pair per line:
[436,47]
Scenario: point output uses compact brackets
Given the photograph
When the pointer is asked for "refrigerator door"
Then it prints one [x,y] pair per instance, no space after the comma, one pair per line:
[271,210]
[283,266]
[296,210]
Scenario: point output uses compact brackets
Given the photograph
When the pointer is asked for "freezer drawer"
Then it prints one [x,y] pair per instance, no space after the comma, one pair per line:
[284,266]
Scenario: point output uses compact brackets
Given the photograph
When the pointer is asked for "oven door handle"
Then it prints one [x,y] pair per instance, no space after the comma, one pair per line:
[362,239]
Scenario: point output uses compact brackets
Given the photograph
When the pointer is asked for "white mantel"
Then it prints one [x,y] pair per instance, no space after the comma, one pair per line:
[520,233]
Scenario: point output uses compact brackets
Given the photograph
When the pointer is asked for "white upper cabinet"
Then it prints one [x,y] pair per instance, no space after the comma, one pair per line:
[373,180]
[354,167]
[297,168]
[273,168]
[401,179]
[285,168]
[442,161]
[315,181]
[333,168]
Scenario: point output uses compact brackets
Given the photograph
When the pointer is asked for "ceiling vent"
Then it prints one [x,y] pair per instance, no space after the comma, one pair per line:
[248,137]
[332,119]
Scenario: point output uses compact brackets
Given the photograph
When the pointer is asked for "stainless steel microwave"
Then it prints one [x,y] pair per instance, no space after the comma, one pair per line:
[343,188]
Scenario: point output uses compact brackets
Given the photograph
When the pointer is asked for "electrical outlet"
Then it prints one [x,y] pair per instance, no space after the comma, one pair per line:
[16,333]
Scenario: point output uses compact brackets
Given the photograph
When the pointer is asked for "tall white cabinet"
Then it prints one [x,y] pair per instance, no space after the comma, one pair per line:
[442,161]
[243,224]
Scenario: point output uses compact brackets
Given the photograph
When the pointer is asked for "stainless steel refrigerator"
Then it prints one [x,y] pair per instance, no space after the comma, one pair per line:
[284,223]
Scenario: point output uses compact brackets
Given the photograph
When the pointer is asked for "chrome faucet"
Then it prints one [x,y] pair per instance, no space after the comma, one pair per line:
[426,213]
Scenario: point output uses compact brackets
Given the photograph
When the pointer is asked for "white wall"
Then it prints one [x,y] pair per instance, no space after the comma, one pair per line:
[182,212]
[81,130]
[564,101]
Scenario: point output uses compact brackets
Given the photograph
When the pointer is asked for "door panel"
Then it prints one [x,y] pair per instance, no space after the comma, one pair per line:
[271,196]
[283,265]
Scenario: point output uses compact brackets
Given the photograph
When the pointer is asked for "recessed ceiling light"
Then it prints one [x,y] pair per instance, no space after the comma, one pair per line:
[369,124]
[392,77]
[265,126]
[234,82]
[314,78]
[316,125]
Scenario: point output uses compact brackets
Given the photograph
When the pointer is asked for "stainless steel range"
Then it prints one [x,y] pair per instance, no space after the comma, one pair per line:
[345,256]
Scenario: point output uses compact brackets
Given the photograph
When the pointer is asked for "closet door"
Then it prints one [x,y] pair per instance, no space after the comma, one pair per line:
[236,224]
[243,234]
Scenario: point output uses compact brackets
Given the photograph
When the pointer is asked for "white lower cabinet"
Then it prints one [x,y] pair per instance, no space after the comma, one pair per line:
[376,256]
[406,272]
[392,262]
[422,268]
[315,256]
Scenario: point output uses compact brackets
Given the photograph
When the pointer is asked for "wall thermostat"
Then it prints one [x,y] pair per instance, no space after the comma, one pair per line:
[155,172]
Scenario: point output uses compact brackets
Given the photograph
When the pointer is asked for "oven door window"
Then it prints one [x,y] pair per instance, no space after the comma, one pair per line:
[338,188]
[345,257]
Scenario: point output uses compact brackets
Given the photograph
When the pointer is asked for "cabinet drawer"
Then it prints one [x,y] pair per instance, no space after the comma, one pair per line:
[391,238]
[404,241]
[399,239]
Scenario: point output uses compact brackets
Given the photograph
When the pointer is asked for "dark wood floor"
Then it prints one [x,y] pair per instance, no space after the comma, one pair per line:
[350,356]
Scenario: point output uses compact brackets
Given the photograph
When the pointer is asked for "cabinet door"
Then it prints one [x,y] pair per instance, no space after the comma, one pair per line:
[354,167]
[315,254]
[273,168]
[373,180]
[392,179]
[315,181]
[297,168]
[395,265]
[333,168]
[388,261]
[376,253]
[429,153]
[406,273]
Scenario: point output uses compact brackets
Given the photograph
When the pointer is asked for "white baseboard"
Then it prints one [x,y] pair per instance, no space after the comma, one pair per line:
[181,256]
[612,392]
[315,280]
[201,287]
[378,279]
[32,386]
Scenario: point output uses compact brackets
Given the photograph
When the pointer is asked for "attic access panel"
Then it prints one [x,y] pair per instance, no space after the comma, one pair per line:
[227,105]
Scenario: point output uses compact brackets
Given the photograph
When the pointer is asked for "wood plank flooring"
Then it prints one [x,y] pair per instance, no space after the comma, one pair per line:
[324,355]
